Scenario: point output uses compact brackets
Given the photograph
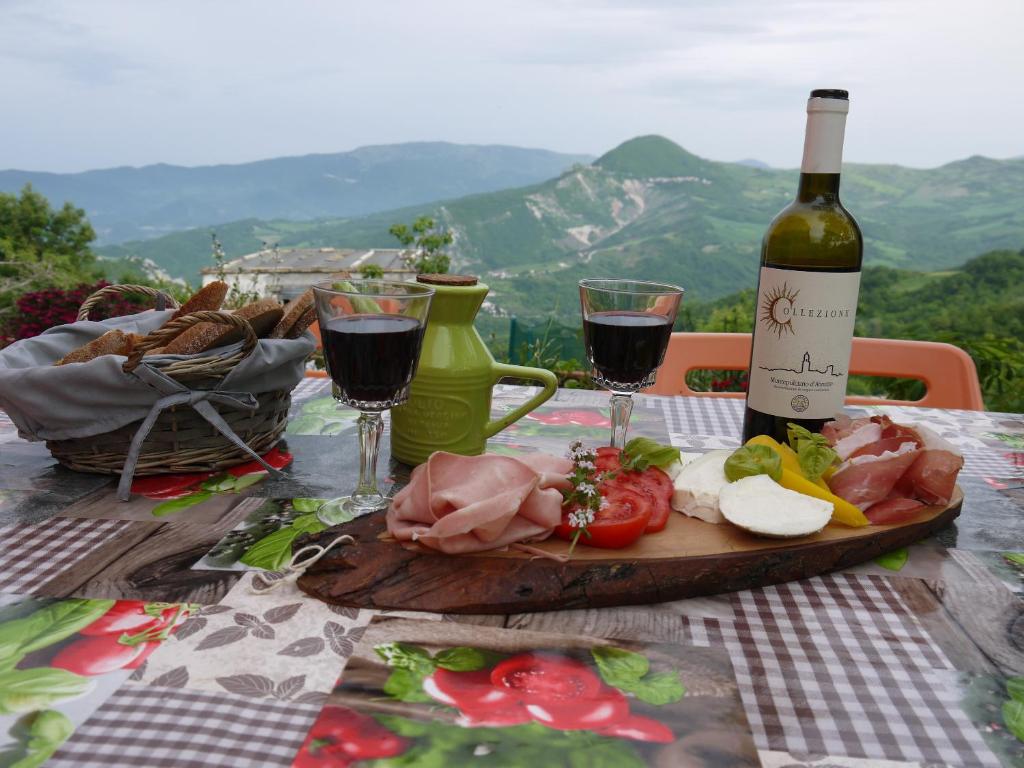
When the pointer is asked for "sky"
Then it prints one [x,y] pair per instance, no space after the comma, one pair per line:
[121,82]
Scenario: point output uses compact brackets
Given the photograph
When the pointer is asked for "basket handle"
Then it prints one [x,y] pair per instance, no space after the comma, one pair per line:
[173,328]
[110,290]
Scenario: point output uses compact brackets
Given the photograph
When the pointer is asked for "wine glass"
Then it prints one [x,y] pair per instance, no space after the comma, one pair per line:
[372,331]
[626,328]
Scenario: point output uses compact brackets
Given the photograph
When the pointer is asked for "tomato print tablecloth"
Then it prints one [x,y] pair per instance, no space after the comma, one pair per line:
[130,633]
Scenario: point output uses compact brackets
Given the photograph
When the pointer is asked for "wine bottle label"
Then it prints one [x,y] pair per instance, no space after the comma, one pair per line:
[803,333]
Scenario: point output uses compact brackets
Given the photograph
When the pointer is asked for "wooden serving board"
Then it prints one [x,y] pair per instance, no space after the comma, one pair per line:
[688,559]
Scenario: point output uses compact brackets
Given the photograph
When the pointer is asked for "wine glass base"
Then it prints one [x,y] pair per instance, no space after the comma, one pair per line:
[345,508]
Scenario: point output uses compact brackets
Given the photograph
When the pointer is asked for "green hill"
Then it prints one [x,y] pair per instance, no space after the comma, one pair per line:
[133,203]
[651,209]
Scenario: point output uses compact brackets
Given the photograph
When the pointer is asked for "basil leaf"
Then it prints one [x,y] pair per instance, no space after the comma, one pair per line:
[642,452]
[1015,558]
[658,689]
[894,560]
[48,731]
[405,685]
[49,625]
[243,482]
[619,667]
[1013,716]
[465,659]
[812,450]
[1015,687]
[176,505]
[406,656]
[307,505]
[308,524]
[222,482]
[23,690]
[750,460]
[272,552]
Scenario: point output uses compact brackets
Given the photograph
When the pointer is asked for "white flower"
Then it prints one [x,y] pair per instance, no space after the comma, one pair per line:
[586,464]
[586,489]
[581,518]
[604,503]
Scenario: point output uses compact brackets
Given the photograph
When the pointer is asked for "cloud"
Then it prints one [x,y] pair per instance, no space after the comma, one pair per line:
[113,82]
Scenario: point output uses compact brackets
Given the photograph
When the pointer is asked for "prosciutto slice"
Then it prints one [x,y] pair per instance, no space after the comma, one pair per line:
[895,509]
[867,479]
[932,477]
[842,426]
[459,504]
[858,440]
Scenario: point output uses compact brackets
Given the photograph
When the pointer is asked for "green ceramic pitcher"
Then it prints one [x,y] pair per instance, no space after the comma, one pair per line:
[449,407]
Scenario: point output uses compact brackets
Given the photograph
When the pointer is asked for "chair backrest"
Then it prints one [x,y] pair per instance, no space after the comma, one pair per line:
[310,373]
[948,372]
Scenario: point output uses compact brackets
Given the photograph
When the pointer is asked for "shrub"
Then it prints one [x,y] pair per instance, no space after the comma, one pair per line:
[39,310]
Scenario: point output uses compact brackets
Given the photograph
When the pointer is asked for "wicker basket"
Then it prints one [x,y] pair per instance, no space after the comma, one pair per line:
[181,440]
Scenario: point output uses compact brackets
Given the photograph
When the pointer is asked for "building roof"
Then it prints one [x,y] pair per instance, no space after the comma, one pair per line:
[314,261]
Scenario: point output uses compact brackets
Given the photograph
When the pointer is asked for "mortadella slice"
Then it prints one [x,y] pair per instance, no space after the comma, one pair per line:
[462,504]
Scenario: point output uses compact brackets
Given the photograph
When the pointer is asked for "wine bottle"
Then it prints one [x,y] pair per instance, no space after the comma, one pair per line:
[807,289]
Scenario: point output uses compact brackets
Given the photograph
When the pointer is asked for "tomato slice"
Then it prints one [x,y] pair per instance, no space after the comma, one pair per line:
[608,459]
[655,484]
[618,524]
[499,718]
[123,616]
[471,692]
[640,729]
[542,678]
[604,710]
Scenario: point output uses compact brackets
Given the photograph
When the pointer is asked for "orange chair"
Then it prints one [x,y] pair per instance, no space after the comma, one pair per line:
[311,373]
[948,372]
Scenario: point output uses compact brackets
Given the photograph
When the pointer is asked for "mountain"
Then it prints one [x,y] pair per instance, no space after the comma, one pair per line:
[134,203]
[650,209]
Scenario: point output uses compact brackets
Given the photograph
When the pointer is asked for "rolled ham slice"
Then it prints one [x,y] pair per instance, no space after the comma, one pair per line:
[932,476]
[860,438]
[458,504]
[867,479]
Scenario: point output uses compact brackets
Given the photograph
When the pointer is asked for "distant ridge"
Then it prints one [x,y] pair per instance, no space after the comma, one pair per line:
[650,209]
[129,203]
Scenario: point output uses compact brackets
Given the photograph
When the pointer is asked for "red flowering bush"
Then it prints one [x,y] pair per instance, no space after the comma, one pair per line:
[39,310]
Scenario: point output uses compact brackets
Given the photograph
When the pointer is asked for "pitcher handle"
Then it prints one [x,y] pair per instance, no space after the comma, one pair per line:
[547,378]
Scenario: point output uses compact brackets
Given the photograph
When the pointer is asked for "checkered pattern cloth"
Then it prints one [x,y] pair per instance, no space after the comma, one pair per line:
[309,388]
[33,554]
[720,416]
[142,725]
[837,665]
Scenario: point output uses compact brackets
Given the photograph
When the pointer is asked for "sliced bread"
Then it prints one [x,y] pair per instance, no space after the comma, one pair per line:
[110,343]
[262,315]
[293,313]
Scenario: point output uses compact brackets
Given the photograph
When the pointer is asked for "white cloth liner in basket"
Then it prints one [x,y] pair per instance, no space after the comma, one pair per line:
[48,402]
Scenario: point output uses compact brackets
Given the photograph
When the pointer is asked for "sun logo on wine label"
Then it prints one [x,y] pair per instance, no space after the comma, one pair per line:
[777,309]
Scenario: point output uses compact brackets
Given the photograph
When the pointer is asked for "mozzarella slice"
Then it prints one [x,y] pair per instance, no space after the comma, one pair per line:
[760,505]
[673,469]
[697,486]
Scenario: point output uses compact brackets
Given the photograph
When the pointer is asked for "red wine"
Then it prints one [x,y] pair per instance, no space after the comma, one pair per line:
[372,357]
[626,347]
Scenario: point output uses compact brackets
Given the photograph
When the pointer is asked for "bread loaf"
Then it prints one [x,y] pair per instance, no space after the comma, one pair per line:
[110,343]
[262,315]
[300,325]
[293,313]
[207,299]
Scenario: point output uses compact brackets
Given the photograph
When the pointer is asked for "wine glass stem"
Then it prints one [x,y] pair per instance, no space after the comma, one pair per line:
[371,427]
[622,407]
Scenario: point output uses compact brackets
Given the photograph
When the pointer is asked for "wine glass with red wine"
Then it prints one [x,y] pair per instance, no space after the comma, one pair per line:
[626,328]
[372,331]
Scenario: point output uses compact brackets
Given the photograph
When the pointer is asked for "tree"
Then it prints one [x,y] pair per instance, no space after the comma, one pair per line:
[41,247]
[428,240]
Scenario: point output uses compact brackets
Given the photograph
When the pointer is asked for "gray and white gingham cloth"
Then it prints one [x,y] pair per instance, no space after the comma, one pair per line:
[143,725]
[35,553]
[311,387]
[837,665]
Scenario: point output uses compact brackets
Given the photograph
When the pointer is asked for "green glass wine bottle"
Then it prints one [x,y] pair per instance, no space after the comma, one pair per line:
[807,289]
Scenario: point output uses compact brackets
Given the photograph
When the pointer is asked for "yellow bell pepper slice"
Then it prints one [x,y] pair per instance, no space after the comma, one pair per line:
[842,511]
[787,455]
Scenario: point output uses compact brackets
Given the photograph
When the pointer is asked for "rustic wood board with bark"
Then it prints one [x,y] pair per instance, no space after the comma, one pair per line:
[689,558]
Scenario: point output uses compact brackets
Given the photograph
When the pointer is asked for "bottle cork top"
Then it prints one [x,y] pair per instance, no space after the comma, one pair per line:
[447,279]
